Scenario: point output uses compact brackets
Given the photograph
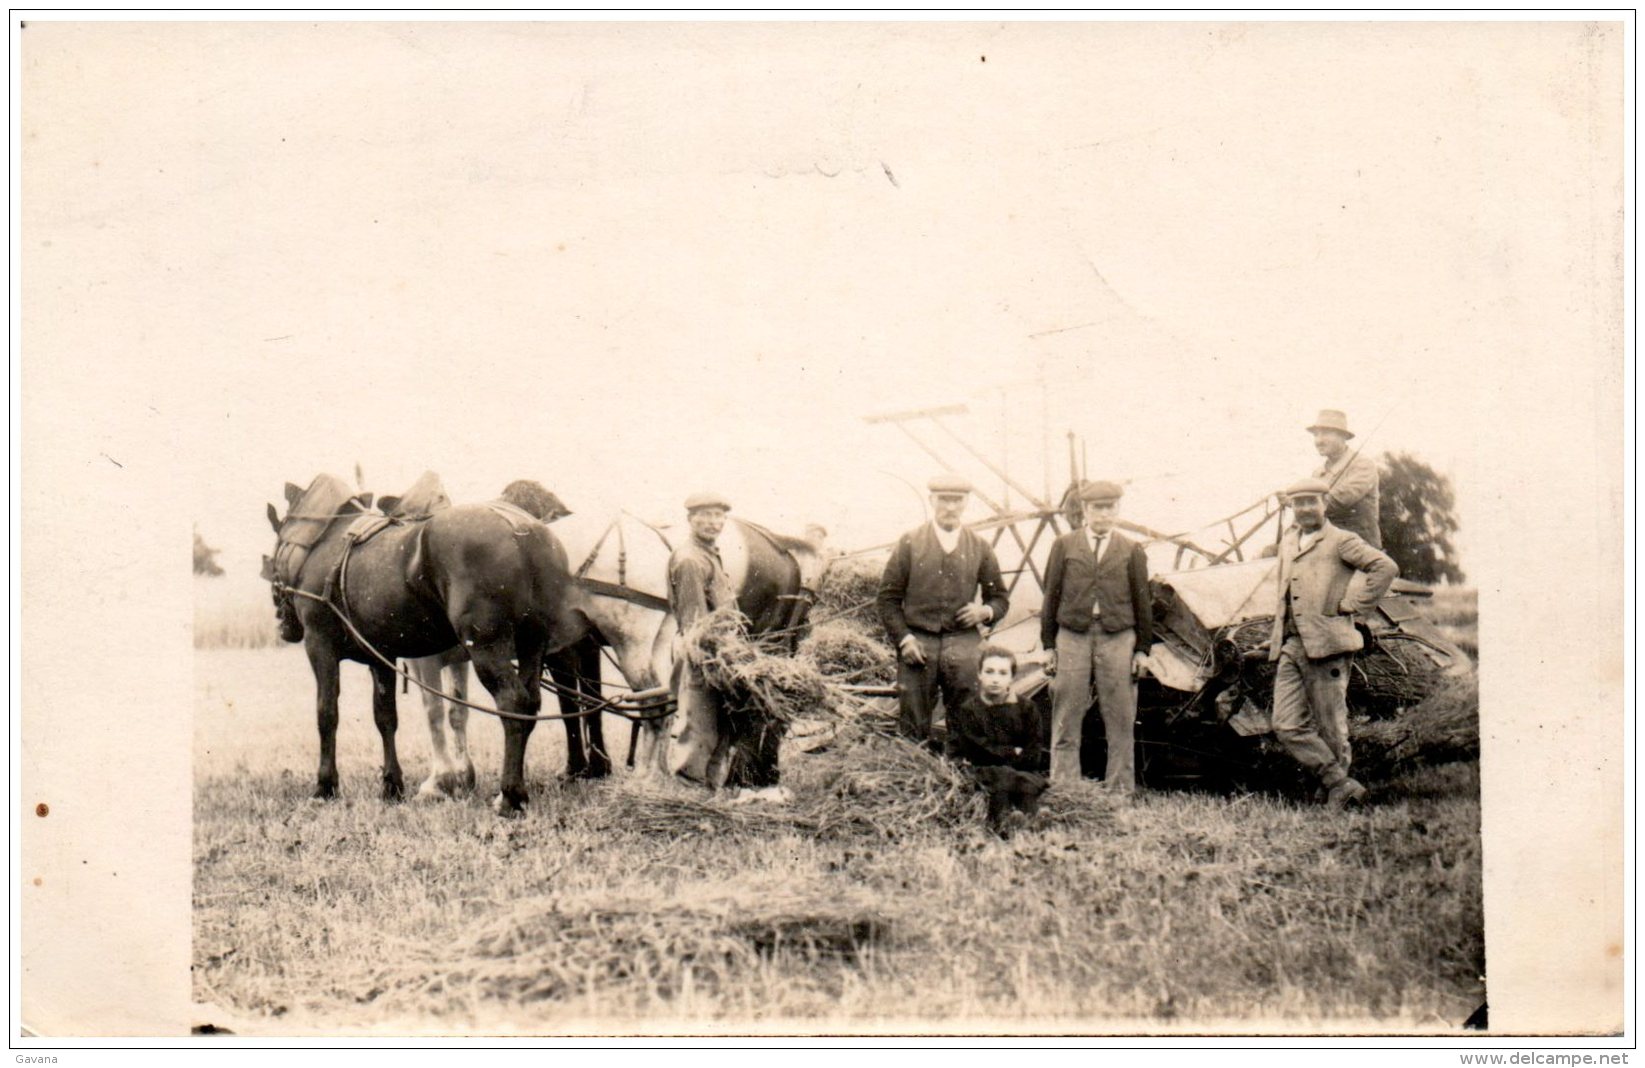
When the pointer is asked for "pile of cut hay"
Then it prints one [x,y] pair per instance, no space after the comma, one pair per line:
[1442,729]
[879,784]
[570,945]
[671,810]
[848,589]
[843,652]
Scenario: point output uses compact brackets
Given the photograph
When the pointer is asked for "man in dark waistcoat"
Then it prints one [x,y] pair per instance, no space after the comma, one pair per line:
[927,602]
[1097,620]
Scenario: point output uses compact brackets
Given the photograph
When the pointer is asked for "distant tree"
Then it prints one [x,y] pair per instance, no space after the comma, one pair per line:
[205,557]
[1418,517]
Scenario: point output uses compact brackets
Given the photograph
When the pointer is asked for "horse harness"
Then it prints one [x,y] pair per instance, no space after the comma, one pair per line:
[641,707]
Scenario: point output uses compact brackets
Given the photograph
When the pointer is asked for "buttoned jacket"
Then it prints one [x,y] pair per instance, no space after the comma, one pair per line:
[1117,585]
[1314,583]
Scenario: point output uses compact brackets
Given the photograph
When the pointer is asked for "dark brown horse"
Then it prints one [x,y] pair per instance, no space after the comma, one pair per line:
[483,577]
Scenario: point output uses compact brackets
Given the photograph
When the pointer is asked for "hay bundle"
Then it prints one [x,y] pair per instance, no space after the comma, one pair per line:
[751,679]
[570,945]
[848,589]
[1442,729]
[843,652]
[671,810]
[875,783]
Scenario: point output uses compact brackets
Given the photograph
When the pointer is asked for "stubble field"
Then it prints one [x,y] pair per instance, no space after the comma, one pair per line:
[1181,911]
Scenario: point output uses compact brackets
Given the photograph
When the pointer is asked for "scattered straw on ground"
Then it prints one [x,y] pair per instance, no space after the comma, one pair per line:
[708,938]
[1085,805]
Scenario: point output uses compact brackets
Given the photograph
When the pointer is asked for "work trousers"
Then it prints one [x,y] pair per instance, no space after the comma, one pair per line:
[1311,710]
[1107,657]
[699,746]
[949,671]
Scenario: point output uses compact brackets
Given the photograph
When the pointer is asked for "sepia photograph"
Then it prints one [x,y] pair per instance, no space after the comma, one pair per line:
[823,528]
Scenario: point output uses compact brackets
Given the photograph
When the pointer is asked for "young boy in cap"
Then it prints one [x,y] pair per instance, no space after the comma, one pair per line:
[927,605]
[1097,621]
[1352,497]
[1314,638]
[999,738]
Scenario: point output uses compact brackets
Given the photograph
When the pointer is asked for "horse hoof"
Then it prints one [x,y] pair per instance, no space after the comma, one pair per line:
[430,791]
[452,783]
[506,808]
[326,791]
[393,790]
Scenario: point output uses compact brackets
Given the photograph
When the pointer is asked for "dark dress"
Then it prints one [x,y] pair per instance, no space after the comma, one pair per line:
[1004,746]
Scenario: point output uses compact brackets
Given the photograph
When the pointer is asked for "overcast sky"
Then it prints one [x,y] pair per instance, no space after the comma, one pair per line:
[632,261]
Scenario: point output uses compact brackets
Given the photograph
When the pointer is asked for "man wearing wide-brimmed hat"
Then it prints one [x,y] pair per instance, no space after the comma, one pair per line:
[699,749]
[928,604]
[1097,622]
[1314,638]
[1352,497]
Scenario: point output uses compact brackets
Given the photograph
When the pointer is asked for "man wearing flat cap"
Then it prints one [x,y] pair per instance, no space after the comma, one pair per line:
[1352,498]
[1097,622]
[928,604]
[1314,638]
[697,585]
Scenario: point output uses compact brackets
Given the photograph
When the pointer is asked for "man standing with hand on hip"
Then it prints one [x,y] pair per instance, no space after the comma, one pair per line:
[926,605]
[1097,620]
[1314,637]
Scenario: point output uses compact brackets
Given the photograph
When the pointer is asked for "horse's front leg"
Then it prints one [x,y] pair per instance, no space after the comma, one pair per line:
[385,714]
[326,675]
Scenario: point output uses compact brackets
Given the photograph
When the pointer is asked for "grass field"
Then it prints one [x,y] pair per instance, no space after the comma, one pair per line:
[1182,911]
[1455,610]
[233,612]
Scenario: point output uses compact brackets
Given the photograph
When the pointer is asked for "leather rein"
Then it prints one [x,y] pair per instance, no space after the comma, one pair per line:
[640,706]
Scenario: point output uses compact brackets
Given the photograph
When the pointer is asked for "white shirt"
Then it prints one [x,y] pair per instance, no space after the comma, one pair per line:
[948,539]
[1306,539]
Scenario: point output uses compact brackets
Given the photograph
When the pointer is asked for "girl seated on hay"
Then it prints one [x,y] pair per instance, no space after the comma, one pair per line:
[1000,740]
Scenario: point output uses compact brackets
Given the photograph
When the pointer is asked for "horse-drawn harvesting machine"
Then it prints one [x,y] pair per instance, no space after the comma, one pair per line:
[1203,704]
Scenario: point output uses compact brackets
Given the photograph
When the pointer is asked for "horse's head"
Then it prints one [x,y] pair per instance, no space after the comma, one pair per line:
[285,607]
[533,499]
